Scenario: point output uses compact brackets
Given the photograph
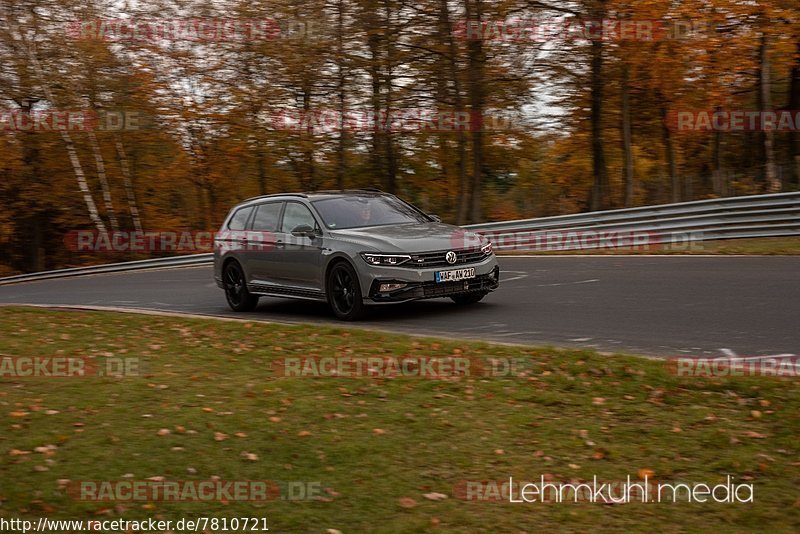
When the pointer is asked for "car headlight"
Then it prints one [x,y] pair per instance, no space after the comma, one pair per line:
[385,260]
[487,248]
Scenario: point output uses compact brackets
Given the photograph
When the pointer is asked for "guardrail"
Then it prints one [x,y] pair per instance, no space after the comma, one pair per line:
[774,215]
[156,263]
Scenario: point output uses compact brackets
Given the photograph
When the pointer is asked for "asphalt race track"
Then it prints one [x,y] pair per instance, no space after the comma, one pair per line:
[653,305]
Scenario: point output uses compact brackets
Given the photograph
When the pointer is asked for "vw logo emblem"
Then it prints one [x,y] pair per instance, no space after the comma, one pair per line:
[451,257]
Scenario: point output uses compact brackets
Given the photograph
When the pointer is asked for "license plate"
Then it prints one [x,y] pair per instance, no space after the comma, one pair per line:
[455,275]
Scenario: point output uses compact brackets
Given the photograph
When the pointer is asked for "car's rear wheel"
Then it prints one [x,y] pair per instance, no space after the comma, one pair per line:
[468,298]
[344,292]
[236,293]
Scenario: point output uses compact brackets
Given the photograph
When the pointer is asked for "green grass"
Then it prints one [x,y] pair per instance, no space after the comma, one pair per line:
[573,415]
[768,246]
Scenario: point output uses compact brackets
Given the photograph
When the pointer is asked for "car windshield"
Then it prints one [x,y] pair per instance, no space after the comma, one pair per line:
[361,211]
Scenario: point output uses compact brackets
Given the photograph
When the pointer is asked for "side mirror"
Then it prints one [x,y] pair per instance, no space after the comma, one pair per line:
[304,230]
[435,218]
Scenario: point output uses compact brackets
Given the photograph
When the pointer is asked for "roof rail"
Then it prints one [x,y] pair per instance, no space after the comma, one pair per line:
[303,195]
[350,190]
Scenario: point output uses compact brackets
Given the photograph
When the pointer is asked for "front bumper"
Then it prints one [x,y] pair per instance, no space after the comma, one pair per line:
[420,283]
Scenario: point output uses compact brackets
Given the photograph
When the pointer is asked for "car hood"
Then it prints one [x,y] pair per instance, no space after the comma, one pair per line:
[421,237]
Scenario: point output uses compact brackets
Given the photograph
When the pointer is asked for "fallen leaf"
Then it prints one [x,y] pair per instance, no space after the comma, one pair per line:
[407,502]
[646,473]
[435,496]
[220,436]
[304,433]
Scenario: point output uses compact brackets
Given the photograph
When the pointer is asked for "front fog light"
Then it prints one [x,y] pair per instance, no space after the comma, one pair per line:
[391,287]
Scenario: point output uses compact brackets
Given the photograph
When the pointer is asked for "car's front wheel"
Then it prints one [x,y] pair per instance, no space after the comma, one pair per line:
[236,293]
[468,298]
[344,292]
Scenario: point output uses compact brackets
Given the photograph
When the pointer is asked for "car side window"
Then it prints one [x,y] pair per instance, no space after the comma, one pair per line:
[239,219]
[296,215]
[267,217]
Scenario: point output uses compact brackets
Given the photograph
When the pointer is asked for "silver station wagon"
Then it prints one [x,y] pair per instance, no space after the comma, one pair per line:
[351,248]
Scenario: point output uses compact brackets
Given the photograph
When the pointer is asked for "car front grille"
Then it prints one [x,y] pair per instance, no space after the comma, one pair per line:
[424,260]
[443,289]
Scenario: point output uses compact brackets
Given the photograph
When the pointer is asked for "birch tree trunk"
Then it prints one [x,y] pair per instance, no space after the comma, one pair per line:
[773,185]
[128,183]
[77,169]
[103,179]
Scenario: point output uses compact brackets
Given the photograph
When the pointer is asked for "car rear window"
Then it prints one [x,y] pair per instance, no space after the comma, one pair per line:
[239,219]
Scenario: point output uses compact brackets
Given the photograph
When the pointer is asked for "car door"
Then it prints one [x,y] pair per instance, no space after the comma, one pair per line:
[262,242]
[298,263]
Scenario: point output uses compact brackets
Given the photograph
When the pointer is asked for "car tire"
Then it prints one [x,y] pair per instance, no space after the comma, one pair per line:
[344,292]
[236,292]
[468,298]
